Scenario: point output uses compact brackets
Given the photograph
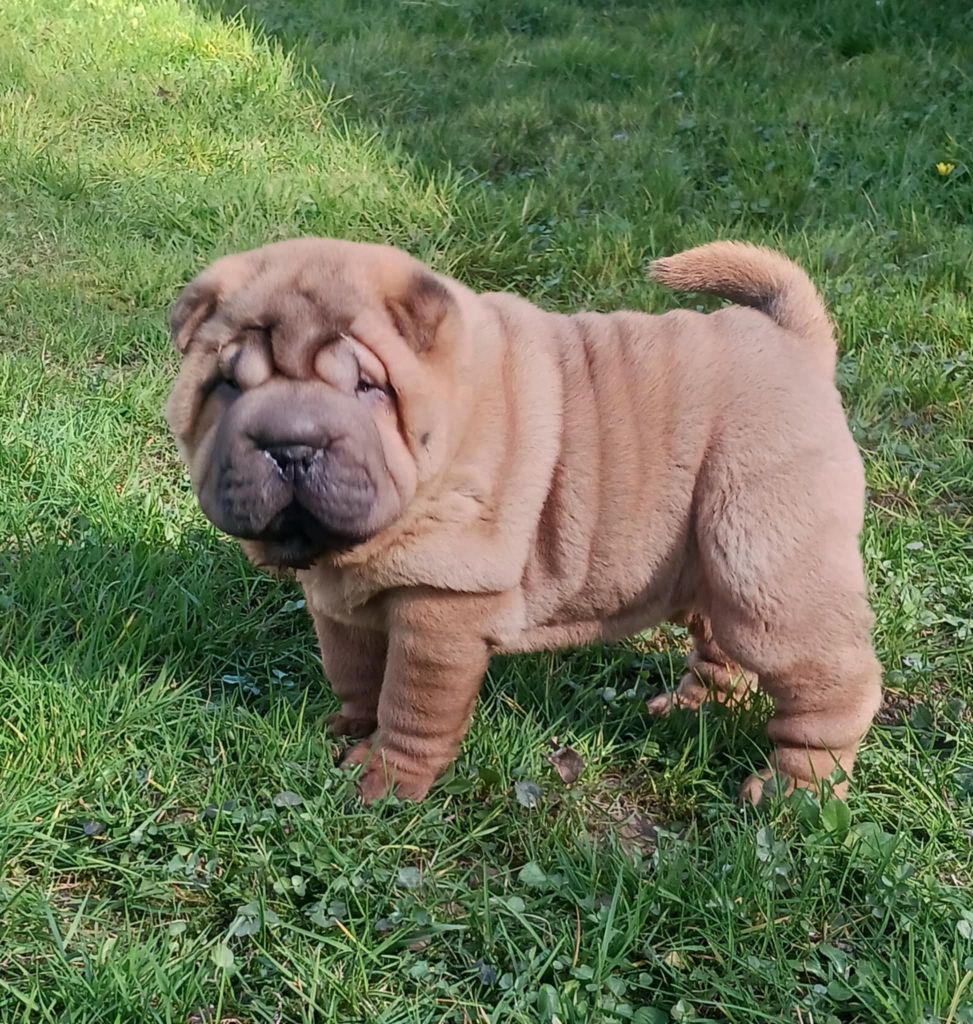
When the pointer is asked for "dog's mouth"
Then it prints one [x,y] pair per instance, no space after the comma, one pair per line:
[295,538]
[295,498]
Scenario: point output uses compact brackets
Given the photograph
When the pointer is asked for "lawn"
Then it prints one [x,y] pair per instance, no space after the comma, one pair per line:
[176,844]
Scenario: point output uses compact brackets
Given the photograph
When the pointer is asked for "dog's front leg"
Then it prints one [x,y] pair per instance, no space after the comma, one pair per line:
[354,662]
[437,658]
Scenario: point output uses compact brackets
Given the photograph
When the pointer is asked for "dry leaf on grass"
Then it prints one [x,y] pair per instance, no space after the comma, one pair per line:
[568,763]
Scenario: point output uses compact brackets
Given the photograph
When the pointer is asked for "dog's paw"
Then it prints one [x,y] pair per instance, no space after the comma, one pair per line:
[795,768]
[353,726]
[383,778]
[666,703]
[357,755]
[766,785]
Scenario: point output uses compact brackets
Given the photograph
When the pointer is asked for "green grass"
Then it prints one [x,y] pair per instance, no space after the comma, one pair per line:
[169,800]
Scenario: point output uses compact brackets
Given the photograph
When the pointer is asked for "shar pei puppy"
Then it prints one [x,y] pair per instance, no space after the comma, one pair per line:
[454,475]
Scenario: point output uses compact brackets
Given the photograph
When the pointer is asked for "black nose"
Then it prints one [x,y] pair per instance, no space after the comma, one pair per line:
[291,458]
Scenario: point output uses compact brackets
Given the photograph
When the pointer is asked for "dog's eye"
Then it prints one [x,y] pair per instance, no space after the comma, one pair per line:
[221,383]
[366,387]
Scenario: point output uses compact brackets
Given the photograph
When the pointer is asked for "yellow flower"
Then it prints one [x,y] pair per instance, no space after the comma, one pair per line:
[945,169]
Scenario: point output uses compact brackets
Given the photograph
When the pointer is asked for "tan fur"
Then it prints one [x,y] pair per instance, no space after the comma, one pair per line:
[755,277]
[586,477]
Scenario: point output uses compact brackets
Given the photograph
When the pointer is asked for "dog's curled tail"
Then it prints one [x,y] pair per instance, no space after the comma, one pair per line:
[757,277]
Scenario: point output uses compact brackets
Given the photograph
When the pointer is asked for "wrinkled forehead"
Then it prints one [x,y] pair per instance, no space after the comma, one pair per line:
[291,298]
[296,304]
[292,293]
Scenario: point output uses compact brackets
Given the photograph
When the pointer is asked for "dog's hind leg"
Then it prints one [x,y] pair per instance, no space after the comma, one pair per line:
[787,600]
[711,674]
[824,680]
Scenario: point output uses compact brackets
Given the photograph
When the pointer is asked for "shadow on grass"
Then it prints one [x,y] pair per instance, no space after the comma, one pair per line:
[493,86]
[189,609]
[592,137]
[200,611]
[84,614]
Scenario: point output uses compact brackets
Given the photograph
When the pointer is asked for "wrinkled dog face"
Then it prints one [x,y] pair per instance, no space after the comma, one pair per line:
[305,406]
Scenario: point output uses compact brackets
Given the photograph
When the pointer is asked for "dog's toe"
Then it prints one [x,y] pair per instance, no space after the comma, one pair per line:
[357,755]
[666,703]
[382,779]
[766,785]
[346,725]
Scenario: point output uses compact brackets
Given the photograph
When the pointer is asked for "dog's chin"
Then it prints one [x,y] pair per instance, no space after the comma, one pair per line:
[284,555]
[296,540]
[289,554]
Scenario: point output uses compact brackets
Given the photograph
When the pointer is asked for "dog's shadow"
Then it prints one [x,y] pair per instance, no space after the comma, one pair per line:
[200,613]
[196,609]
[199,608]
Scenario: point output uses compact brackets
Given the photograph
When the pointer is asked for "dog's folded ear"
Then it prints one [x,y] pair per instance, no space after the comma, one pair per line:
[423,310]
[193,308]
